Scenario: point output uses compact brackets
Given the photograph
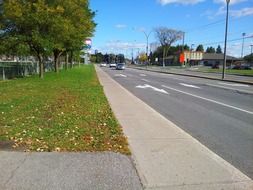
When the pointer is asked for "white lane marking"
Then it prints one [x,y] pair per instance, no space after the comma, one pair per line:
[152,87]
[229,88]
[233,84]
[210,100]
[121,75]
[145,80]
[143,75]
[189,85]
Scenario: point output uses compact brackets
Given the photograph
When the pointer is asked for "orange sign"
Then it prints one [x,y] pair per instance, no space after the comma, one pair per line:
[181,58]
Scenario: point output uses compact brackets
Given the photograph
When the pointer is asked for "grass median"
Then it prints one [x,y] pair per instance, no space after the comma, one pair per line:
[62,112]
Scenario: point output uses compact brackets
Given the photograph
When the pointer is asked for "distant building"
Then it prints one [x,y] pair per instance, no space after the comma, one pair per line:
[210,59]
[201,58]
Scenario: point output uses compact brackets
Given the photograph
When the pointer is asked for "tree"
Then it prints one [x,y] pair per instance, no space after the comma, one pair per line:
[27,22]
[47,26]
[210,50]
[72,24]
[249,58]
[218,49]
[200,48]
[167,37]
[143,57]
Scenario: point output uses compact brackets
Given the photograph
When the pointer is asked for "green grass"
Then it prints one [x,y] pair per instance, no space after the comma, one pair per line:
[62,112]
[230,71]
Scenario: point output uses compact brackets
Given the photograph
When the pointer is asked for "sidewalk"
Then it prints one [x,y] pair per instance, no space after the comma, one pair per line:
[67,171]
[165,156]
[199,74]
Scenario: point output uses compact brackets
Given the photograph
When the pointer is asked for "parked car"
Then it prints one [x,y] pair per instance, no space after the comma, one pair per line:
[112,65]
[215,66]
[242,67]
[120,66]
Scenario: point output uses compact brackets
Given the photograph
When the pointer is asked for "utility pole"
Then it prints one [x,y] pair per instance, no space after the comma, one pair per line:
[183,42]
[147,37]
[225,43]
[251,46]
[191,53]
[243,36]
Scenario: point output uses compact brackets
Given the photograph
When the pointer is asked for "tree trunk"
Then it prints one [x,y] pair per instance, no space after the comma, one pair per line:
[66,60]
[57,54]
[164,56]
[41,65]
[71,59]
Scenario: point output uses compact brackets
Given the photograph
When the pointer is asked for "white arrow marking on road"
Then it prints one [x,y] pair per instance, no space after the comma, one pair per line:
[189,85]
[143,75]
[154,88]
[233,84]
[121,75]
[145,80]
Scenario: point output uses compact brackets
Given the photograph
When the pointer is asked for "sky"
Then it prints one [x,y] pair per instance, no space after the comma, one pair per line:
[121,24]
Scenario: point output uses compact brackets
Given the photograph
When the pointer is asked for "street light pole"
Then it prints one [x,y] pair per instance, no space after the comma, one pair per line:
[243,35]
[251,49]
[191,53]
[225,44]
[147,37]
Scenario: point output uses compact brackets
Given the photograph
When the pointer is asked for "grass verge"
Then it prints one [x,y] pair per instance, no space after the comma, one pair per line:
[63,112]
[230,71]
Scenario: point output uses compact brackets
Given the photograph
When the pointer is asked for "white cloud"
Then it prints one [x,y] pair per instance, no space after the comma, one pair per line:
[184,2]
[120,26]
[231,1]
[242,12]
[247,11]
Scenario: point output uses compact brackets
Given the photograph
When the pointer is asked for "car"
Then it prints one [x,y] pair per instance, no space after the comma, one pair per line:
[120,66]
[112,65]
[103,65]
[215,66]
[242,67]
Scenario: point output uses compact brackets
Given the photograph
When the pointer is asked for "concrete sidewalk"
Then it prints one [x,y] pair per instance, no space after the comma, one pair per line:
[165,156]
[67,171]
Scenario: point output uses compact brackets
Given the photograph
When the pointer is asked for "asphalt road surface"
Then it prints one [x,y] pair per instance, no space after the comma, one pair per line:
[219,114]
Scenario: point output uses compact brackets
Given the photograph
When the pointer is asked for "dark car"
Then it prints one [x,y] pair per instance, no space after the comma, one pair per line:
[215,66]
[242,67]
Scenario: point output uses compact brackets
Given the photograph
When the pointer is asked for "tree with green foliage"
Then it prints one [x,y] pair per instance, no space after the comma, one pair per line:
[27,22]
[72,23]
[200,48]
[47,26]
[210,49]
[249,58]
[218,49]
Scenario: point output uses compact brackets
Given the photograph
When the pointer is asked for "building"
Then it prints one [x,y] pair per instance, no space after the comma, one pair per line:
[210,59]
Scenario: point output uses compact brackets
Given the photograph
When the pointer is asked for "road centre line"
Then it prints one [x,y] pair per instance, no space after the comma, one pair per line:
[209,100]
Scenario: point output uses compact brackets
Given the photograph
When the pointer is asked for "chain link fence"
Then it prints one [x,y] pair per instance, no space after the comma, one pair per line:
[13,69]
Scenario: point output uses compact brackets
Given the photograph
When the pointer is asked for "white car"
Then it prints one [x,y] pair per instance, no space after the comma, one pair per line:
[112,65]
[103,65]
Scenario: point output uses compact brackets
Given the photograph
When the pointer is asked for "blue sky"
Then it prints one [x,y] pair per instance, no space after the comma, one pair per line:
[121,23]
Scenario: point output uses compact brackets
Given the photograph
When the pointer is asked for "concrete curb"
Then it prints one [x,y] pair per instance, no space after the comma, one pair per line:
[196,76]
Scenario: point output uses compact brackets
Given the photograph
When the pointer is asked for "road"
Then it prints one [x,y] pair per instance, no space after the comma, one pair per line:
[194,71]
[218,114]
